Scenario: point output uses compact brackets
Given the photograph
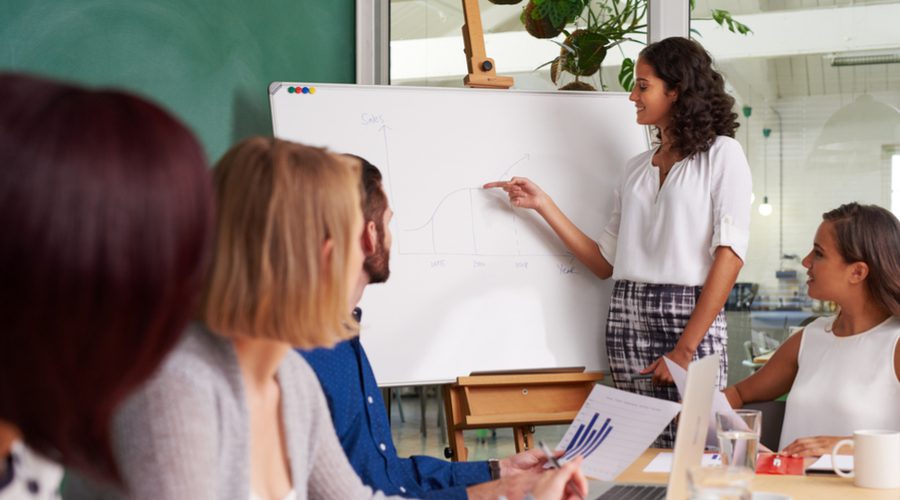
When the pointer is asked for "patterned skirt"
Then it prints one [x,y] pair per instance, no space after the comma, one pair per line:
[645,322]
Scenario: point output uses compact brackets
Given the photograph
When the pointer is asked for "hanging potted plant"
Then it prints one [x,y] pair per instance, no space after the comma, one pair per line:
[599,26]
[547,18]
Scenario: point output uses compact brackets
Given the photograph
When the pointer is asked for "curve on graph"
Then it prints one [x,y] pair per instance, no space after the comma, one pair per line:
[451,193]
[438,207]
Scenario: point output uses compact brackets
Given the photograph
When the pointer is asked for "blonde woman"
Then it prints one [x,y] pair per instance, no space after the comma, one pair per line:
[234,413]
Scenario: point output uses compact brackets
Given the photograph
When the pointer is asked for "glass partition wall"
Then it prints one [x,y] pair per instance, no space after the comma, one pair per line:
[817,83]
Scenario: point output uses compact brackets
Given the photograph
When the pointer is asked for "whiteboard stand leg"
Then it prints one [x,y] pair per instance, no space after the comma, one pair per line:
[524,437]
[422,391]
[456,451]
[441,418]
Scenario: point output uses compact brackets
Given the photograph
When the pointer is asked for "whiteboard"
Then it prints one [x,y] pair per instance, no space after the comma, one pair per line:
[476,285]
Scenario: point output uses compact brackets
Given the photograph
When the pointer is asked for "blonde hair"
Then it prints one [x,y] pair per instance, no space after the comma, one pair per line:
[278,204]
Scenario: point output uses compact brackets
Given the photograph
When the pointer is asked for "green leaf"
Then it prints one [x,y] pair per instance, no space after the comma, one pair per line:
[555,18]
[626,74]
[544,10]
[719,16]
[742,28]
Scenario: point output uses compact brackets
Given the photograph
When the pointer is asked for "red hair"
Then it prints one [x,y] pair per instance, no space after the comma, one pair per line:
[105,206]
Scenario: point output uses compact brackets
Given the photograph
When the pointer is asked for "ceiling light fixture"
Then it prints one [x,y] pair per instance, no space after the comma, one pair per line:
[864,58]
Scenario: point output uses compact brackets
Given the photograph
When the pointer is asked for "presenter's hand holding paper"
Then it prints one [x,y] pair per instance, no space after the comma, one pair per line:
[660,371]
[523,193]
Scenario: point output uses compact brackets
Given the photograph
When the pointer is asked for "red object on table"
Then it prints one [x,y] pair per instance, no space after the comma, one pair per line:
[777,464]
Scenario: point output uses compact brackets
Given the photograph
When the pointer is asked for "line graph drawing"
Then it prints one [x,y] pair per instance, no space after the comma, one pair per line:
[587,440]
[471,221]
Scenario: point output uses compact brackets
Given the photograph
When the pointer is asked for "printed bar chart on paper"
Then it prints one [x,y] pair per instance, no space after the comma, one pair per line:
[613,428]
[587,439]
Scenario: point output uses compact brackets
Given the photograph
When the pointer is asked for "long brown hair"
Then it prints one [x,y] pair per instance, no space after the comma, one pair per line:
[278,204]
[871,234]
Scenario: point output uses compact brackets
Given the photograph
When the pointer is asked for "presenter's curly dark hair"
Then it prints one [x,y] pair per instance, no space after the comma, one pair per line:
[703,109]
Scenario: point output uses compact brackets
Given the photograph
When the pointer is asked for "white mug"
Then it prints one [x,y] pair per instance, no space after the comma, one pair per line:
[876,459]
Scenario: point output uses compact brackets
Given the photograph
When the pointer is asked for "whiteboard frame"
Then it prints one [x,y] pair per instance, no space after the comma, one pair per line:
[275,87]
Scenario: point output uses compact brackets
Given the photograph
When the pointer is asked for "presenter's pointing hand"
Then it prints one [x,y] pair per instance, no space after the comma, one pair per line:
[522,192]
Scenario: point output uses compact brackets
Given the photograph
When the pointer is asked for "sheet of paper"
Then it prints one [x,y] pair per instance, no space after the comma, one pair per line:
[823,464]
[663,462]
[719,404]
[613,428]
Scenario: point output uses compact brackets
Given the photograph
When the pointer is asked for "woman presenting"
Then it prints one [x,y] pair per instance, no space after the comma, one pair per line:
[678,233]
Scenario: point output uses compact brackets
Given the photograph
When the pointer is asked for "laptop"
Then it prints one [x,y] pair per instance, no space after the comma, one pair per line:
[689,440]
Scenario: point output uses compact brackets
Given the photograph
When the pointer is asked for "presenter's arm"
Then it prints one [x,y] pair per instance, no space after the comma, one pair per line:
[719,282]
[523,193]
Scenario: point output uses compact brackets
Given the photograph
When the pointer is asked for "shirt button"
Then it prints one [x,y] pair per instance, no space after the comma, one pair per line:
[402,489]
[382,446]
[370,399]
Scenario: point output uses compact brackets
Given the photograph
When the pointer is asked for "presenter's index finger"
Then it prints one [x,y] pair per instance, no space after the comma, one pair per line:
[496,184]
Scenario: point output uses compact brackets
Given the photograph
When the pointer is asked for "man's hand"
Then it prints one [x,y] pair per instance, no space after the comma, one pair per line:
[567,483]
[513,487]
[527,461]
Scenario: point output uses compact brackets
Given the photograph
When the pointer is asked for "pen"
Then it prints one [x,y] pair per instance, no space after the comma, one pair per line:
[554,463]
[641,376]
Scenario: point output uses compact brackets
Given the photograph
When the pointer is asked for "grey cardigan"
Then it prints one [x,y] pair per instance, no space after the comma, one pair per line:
[185,433]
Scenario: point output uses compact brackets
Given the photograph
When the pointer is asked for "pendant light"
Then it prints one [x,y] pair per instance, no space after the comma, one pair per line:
[765,208]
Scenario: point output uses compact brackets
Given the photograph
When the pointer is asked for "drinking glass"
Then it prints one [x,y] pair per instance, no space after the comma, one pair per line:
[738,433]
[719,483]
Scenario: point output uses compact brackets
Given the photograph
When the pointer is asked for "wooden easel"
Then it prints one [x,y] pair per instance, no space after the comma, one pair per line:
[481,68]
[520,401]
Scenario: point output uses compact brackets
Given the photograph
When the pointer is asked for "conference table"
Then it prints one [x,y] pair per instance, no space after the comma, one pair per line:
[817,487]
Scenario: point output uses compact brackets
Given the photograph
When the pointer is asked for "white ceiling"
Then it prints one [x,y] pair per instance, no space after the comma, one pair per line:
[412,19]
[776,74]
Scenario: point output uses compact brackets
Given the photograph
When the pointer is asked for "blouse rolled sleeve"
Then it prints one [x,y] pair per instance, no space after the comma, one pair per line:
[731,188]
[609,238]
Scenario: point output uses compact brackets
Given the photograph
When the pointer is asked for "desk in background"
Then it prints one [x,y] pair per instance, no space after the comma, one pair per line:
[798,487]
[778,322]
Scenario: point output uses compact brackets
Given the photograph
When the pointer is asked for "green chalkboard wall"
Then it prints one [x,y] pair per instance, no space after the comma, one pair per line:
[208,61]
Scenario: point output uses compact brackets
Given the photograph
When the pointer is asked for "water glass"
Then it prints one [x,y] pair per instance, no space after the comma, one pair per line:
[738,433]
[719,483]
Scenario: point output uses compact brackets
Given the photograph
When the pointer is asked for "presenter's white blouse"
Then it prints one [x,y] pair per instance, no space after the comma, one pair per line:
[669,234]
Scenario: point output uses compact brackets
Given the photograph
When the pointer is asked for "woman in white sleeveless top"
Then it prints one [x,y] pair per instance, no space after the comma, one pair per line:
[843,372]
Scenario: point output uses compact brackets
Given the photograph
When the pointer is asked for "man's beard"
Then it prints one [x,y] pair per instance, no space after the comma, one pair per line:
[377,265]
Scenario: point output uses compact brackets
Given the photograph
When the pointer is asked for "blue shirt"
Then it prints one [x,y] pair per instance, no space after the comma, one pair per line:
[361,423]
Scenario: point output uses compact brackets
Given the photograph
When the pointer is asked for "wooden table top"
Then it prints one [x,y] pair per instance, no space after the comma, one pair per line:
[816,487]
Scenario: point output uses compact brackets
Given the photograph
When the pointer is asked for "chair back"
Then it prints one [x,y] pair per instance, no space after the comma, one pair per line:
[772,418]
